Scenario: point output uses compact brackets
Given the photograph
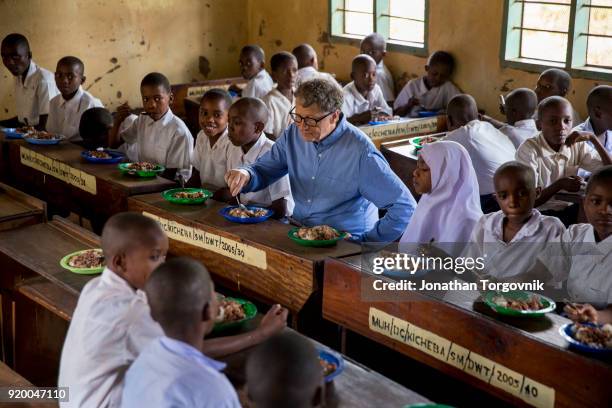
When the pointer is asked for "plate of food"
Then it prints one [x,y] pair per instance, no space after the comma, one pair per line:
[519,303]
[588,337]
[331,362]
[85,262]
[419,142]
[252,214]
[42,137]
[317,236]
[102,156]
[187,195]
[141,169]
[233,312]
[18,133]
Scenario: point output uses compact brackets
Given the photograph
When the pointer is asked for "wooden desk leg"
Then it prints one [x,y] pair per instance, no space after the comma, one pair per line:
[7,328]
[343,339]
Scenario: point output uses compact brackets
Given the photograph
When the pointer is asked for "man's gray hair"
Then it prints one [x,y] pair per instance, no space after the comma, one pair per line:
[327,95]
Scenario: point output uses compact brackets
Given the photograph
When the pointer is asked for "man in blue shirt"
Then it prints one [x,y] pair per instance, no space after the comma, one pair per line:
[336,174]
[172,371]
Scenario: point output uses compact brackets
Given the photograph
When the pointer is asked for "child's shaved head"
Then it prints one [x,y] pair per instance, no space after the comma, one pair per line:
[254,50]
[127,230]
[375,46]
[284,372]
[521,104]
[71,61]
[376,40]
[551,102]
[461,110]
[16,40]
[600,97]
[306,56]
[602,177]
[553,82]
[155,79]
[252,108]
[178,291]
[562,79]
[94,126]
[281,58]
[362,61]
[217,94]
[518,171]
[442,58]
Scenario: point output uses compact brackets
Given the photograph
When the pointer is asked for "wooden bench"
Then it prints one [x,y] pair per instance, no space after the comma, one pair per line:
[18,209]
[525,362]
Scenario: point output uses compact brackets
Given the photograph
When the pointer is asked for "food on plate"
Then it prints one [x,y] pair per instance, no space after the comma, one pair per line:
[328,367]
[532,304]
[143,166]
[99,154]
[188,195]
[42,135]
[25,129]
[230,311]
[91,258]
[427,139]
[247,213]
[317,233]
[593,336]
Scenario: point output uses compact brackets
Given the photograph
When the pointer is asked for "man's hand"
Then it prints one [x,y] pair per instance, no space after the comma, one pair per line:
[274,321]
[236,180]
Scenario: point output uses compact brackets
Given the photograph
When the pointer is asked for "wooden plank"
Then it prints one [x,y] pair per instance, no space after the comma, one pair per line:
[18,209]
[111,187]
[404,128]
[289,276]
[50,296]
[197,89]
[531,348]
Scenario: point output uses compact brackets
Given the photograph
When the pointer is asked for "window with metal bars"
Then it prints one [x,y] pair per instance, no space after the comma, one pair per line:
[572,34]
[403,23]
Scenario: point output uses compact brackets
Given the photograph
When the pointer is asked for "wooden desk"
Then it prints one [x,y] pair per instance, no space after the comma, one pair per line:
[9,378]
[460,337]
[18,209]
[279,271]
[94,191]
[33,332]
[404,128]
[402,158]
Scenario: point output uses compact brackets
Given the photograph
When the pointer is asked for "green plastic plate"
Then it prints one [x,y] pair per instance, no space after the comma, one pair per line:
[549,304]
[250,311]
[80,271]
[292,234]
[168,195]
[141,173]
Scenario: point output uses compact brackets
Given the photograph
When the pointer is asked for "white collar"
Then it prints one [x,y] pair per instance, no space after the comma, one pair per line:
[525,124]
[164,120]
[76,99]
[495,224]
[255,150]
[357,95]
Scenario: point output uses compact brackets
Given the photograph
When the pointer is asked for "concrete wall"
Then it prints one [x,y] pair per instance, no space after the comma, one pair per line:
[121,40]
[470,29]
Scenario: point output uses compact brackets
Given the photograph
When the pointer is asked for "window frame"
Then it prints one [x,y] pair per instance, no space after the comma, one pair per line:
[575,60]
[381,23]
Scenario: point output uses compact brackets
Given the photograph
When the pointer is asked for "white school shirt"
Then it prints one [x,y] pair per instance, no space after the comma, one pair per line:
[278,112]
[306,73]
[65,115]
[259,85]
[433,99]
[605,138]
[166,141]
[33,95]
[514,258]
[171,373]
[520,131]
[549,165]
[384,79]
[488,149]
[110,326]
[211,162]
[354,102]
[586,265]
[265,197]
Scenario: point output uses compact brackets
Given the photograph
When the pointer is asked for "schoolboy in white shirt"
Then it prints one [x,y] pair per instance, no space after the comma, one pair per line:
[34,85]
[308,64]
[363,95]
[252,68]
[65,109]
[280,100]
[375,46]
[157,136]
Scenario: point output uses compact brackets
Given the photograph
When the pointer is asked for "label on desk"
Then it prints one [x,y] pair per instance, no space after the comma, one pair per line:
[201,90]
[402,128]
[57,169]
[530,391]
[212,242]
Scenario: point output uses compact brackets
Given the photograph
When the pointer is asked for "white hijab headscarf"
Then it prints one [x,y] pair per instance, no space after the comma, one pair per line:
[449,213]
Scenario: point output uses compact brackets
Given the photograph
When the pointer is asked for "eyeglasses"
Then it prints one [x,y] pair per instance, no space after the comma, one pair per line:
[310,122]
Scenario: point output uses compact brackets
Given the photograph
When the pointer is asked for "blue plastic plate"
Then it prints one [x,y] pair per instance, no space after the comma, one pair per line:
[427,114]
[11,133]
[332,357]
[567,332]
[116,157]
[44,141]
[253,220]
[378,122]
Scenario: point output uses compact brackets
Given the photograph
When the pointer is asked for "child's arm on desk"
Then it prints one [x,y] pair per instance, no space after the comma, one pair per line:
[360,118]
[405,110]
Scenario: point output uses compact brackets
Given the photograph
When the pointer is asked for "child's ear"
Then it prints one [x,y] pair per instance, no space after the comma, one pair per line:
[83,78]
[538,191]
[426,68]
[171,97]
[352,76]
[207,313]
[384,54]
[118,263]
[538,124]
[259,127]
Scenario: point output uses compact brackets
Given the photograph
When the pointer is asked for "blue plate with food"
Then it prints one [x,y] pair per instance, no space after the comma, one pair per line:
[331,362]
[252,214]
[378,122]
[427,114]
[588,338]
[104,156]
[43,138]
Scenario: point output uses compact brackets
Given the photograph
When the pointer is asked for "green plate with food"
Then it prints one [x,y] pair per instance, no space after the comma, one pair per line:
[233,312]
[85,262]
[419,142]
[141,169]
[187,196]
[519,303]
[317,236]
